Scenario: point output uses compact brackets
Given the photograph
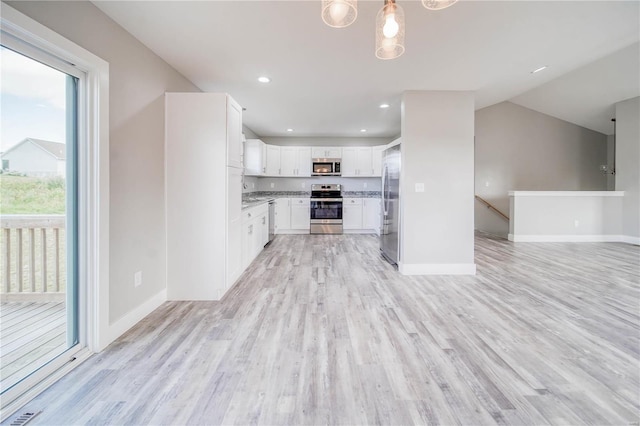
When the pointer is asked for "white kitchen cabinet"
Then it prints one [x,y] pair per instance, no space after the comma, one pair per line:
[255,157]
[300,215]
[272,160]
[295,161]
[371,214]
[282,214]
[376,159]
[356,161]
[203,134]
[326,152]
[255,232]
[352,213]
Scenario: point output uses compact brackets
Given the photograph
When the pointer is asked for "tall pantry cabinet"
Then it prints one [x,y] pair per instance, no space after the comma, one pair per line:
[203,184]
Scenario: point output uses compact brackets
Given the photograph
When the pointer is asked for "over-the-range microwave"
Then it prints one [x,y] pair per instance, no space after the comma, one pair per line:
[325,167]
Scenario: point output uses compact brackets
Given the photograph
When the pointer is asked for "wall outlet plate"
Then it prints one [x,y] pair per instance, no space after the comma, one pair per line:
[364,185]
[272,184]
[419,187]
[137,279]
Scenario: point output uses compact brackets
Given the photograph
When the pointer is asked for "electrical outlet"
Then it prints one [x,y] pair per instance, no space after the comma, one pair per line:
[137,279]
[253,185]
[273,184]
[486,184]
[576,223]
[419,187]
[304,185]
[364,185]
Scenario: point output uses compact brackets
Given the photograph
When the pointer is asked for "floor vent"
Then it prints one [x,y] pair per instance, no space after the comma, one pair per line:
[24,418]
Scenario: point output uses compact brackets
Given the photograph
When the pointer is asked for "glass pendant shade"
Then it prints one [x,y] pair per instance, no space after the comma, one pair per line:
[339,13]
[437,4]
[390,31]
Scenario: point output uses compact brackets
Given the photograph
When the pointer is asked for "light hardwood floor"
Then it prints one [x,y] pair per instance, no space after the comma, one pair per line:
[320,330]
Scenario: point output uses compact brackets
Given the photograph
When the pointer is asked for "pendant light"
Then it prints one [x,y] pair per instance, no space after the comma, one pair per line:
[437,4]
[339,13]
[390,31]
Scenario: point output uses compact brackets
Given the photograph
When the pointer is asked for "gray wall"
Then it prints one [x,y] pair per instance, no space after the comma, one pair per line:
[437,151]
[628,165]
[520,149]
[138,81]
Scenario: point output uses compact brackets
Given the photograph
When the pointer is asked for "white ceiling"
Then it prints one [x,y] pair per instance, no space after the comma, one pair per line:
[328,82]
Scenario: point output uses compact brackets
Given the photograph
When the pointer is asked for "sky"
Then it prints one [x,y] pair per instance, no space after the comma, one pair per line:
[32,100]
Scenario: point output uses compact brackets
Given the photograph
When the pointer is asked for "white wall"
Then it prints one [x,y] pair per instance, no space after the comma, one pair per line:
[628,165]
[520,149]
[138,81]
[565,216]
[437,151]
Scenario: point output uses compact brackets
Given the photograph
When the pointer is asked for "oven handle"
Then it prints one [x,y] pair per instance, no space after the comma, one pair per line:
[325,199]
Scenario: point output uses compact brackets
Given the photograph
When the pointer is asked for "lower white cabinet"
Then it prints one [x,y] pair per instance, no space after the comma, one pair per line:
[371,214]
[361,215]
[352,213]
[255,232]
[300,215]
[282,214]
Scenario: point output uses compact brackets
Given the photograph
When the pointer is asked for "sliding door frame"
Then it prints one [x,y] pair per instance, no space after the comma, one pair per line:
[28,37]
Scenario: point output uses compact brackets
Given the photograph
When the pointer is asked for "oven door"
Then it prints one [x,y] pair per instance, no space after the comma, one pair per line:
[326,215]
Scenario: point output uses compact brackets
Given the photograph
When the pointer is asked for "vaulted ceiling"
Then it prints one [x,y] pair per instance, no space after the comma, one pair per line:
[328,82]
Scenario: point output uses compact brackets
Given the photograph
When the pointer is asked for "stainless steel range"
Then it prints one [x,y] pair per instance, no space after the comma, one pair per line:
[326,209]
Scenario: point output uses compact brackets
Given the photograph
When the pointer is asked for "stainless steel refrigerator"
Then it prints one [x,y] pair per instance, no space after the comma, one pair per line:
[390,235]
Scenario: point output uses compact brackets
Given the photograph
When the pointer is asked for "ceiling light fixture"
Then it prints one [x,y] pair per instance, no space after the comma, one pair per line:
[289,130]
[363,130]
[437,4]
[539,69]
[339,13]
[264,79]
[390,31]
[389,22]
[383,106]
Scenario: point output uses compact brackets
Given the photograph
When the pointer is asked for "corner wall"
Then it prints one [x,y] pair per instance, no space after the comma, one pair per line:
[518,149]
[436,183]
[138,81]
[628,166]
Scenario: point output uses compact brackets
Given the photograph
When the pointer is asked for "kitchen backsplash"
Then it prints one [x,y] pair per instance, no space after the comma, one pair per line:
[254,184]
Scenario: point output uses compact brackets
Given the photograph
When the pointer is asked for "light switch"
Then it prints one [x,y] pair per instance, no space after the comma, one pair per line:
[419,187]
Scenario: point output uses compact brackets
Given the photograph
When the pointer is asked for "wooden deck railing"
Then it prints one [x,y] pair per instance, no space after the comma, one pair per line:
[33,255]
[492,207]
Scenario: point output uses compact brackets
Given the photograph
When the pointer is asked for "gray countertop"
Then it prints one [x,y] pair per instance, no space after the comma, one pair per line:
[253,199]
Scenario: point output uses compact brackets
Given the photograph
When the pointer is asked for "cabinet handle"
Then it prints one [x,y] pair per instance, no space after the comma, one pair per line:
[250,229]
[279,171]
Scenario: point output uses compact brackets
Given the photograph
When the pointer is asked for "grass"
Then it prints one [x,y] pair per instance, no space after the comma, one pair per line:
[31,195]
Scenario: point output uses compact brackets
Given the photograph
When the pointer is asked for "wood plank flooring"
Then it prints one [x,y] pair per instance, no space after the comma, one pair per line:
[319,330]
[32,334]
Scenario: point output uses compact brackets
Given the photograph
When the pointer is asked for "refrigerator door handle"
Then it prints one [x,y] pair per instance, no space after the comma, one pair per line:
[385,207]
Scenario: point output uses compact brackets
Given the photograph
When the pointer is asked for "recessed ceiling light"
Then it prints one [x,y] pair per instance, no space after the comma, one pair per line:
[289,130]
[539,69]
[363,130]
[384,106]
[264,79]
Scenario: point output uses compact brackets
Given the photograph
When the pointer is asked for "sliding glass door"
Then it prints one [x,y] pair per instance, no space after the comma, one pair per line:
[39,323]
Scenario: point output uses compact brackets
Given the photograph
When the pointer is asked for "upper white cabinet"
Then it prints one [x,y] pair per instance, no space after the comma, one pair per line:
[273,160]
[295,161]
[326,152]
[356,161]
[203,144]
[234,133]
[376,159]
[255,157]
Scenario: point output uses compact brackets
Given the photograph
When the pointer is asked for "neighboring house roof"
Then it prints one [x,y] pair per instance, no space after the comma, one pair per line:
[56,149]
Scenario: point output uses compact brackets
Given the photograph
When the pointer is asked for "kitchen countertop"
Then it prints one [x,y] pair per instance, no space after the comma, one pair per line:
[253,199]
[361,194]
[250,202]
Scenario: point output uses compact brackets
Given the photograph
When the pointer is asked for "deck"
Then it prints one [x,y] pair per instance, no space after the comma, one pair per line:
[32,334]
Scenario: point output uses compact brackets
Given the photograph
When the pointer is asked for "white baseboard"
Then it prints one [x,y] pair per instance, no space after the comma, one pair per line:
[437,269]
[566,238]
[119,327]
[631,240]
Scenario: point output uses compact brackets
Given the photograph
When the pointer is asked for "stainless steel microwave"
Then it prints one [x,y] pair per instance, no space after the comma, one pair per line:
[325,167]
